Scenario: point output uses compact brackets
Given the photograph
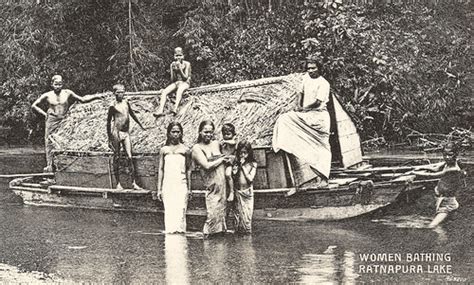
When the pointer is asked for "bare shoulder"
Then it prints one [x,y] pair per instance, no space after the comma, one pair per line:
[196,147]
[47,94]
[215,143]
[164,149]
[68,92]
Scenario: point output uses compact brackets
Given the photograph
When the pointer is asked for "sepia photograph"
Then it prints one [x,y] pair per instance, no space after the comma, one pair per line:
[236,142]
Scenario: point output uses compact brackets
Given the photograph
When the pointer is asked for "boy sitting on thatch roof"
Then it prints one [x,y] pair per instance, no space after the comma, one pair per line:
[181,77]
[118,134]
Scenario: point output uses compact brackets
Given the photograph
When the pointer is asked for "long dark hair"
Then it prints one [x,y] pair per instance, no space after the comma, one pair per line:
[248,147]
[201,126]
[168,132]
[228,127]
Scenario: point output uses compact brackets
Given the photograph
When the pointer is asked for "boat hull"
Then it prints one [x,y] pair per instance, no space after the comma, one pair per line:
[289,204]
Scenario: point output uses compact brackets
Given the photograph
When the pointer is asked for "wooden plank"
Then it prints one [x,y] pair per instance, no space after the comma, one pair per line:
[98,190]
[260,157]
[196,180]
[342,181]
[20,175]
[261,179]
[81,164]
[276,174]
[346,127]
[352,157]
[101,180]
[349,142]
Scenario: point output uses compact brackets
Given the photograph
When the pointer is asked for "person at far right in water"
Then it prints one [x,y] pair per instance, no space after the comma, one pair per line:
[451,180]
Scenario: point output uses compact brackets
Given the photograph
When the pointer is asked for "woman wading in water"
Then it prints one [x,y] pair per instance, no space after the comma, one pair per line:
[174,179]
[210,161]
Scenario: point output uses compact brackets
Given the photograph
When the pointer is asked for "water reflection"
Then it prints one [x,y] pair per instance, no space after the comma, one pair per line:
[405,221]
[176,259]
[333,266]
[230,259]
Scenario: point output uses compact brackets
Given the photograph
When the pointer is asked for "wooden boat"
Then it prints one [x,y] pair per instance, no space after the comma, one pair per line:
[83,177]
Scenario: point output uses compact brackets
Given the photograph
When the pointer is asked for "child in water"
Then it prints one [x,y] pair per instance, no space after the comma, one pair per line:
[228,145]
[244,172]
[451,180]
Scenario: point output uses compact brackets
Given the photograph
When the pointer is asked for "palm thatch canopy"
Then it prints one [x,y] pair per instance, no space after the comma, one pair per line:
[251,106]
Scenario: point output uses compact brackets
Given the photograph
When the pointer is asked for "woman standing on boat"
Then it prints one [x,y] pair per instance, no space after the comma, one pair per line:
[174,179]
[208,157]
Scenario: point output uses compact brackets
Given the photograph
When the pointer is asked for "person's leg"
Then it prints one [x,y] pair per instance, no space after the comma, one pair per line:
[115,145]
[164,94]
[439,218]
[128,149]
[47,149]
[230,183]
[115,162]
[182,86]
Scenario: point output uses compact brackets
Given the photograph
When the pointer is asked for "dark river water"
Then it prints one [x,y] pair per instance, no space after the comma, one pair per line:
[87,246]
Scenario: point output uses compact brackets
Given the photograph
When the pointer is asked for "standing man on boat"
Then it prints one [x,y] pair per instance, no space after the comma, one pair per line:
[304,132]
[180,70]
[59,101]
[118,132]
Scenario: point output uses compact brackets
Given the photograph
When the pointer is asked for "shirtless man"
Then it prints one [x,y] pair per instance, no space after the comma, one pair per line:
[118,132]
[59,101]
[181,77]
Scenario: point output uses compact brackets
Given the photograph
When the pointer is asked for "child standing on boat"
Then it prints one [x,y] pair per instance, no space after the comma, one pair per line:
[180,70]
[118,132]
[451,180]
[228,145]
[244,172]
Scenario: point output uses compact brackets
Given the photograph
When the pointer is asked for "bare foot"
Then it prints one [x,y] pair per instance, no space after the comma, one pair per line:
[231,197]
[119,186]
[136,187]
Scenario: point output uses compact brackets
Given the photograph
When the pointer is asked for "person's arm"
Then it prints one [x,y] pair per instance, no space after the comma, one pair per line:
[250,175]
[186,72]
[432,167]
[437,174]
[110,115]
[134,117]
[86,98]
[160,174]
[313,105]
[38,101]
[188,170]
[173,76]
[299,100]
[201,159]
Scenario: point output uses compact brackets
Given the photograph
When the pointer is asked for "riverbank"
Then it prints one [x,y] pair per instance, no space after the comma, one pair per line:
[12,275]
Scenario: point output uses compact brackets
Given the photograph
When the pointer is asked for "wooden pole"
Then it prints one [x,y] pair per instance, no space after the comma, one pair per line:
[131,43]
[12,176]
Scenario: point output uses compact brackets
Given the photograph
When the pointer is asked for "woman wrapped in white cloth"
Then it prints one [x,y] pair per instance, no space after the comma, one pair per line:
[304,132]
[174,179]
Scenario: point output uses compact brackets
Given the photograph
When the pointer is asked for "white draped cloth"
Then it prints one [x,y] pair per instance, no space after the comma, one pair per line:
[306,134]
[175,192]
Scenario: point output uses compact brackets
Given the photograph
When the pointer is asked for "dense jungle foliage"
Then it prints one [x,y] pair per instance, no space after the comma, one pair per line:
[395,67]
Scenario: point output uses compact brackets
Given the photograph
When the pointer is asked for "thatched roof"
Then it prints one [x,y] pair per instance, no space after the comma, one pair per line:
[252,106]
